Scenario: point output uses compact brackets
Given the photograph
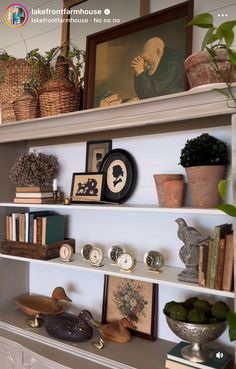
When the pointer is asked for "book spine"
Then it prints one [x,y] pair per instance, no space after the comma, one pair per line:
[33,195]
[228,263]
[209,263]
[205,263]
[22,227]
[171,364]
[10,228]
[220,265]
[44,226]
[200,265]
[7,228]
[31,200]
[39,230]
[35,230]
[26,227]
[15,226]
[34,189]
[220,232]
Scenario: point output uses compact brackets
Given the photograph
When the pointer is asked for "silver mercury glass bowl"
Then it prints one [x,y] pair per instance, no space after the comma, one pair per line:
[197,335]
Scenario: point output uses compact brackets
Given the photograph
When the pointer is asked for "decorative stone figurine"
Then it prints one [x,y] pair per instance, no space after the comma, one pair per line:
[189,252]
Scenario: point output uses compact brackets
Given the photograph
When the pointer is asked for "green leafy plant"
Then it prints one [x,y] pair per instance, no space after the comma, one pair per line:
[218,37]
[229,209]
[204,150]
[75,58]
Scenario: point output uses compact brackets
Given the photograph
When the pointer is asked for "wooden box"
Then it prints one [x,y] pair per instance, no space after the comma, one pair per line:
[34,250]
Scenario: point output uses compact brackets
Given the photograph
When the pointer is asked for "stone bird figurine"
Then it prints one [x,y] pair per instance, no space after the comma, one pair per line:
[69,327]
[189,235]
[118,333]
[189,252]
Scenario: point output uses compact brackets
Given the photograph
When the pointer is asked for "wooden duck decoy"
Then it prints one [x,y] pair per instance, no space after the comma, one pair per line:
[38,304]
[118,333]
[69,327]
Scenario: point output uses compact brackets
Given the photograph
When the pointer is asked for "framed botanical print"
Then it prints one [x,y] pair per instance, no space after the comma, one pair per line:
[134,300]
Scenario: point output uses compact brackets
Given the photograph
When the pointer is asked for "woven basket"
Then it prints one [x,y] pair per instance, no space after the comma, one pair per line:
[59,94]
[13,76]
[26,107]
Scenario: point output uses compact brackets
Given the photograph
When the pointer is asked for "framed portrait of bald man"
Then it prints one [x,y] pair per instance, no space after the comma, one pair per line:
[140,59]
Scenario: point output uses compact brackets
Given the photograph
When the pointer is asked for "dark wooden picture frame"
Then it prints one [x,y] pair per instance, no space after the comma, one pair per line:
[109,78]
[68,4]
[134,300]
[86,187]
[95,152]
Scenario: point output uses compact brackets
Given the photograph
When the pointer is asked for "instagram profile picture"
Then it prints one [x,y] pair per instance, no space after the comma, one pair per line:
[16,15]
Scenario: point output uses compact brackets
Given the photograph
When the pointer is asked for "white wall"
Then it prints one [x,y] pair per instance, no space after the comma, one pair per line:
[137,232]
[46,36]
[221,10]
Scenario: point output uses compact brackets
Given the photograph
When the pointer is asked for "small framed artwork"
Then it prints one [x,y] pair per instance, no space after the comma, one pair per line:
[120,174]
[95,152]
[134,300]
[86,187]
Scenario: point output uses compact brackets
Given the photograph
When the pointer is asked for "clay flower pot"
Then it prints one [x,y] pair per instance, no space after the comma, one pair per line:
[170,190]
[203,182]
[200,69]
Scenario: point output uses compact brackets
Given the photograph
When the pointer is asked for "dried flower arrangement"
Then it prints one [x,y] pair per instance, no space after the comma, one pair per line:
[34,169]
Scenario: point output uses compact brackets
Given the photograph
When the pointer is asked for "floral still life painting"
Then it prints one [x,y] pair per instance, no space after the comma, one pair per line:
[131,299]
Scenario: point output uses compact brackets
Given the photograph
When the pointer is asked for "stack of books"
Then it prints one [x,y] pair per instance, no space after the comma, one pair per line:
[41,227]
[34,195]
[216,259]
[220,360]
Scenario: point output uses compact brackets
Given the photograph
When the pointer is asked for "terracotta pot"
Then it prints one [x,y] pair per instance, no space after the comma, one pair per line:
[170,190]
[200,69]
[203,182]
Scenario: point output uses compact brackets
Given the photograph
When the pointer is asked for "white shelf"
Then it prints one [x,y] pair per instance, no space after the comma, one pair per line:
[137,354]
[126,208]
[167,277]
[159,110]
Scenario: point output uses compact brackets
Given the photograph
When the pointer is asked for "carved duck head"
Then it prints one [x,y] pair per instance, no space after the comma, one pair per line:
[59,294]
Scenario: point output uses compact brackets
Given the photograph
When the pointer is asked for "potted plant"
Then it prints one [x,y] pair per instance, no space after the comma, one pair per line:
[217,60]
[204,159]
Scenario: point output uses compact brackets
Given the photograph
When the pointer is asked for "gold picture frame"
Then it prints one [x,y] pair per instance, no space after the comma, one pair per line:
[86,187]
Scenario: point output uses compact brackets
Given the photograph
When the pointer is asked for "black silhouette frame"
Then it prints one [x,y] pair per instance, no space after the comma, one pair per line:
[94,148]
[127,162]
[86,187]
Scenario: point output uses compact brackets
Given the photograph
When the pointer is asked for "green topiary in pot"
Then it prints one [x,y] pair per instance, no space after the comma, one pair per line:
[204,159]
[204,150]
